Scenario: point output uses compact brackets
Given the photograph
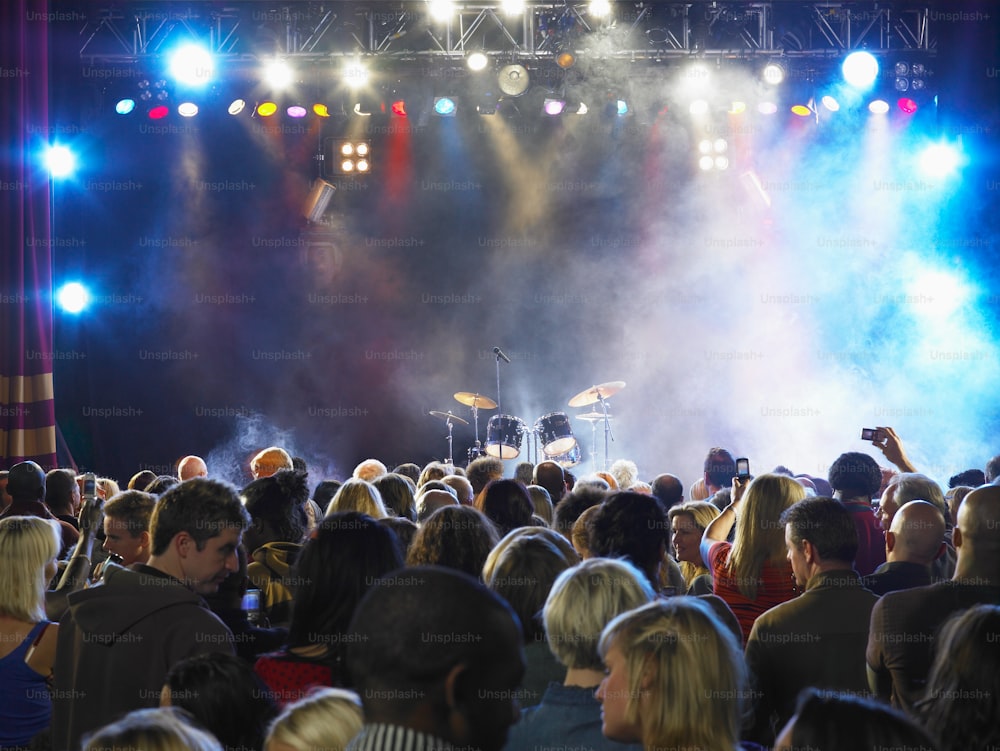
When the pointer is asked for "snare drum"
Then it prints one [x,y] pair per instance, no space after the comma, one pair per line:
[556,434]
[570,459]
[503,436]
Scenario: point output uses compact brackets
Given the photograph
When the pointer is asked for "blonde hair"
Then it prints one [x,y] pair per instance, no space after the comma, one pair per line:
[27,544]
[702,513]
[326,718]
[687,680]
[580,533]
[162,729]
[358,495]
[760,536]
[582,601]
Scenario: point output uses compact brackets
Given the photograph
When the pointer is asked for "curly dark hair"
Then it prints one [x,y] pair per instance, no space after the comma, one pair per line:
[855,474]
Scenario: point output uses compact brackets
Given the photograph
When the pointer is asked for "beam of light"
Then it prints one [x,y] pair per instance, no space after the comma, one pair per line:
[59,161]
[73,297]
[860,69]
[355,75]
[940,160]
[191,65]
[278,74]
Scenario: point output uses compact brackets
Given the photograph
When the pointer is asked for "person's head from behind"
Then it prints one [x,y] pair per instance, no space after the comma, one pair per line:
[916,534]
[507,504]
[28,549]
[462,488]
[325,718]
[224,694]
[369,470]
[433,649]
[195,528]
[270,460]
[960,705]
[855,475]
[819,535]
[358,495]
[127,518]
[457,537]
[341,559]
[675,677]
[163,729]
[275,505]
[62,494]
[906,487]
[583,600]
[191,466]
[719,469]
[26,482]
[977,534]
[830,721]
[396,495]
[482,470]
[523,575]
[631,525]
[669,489]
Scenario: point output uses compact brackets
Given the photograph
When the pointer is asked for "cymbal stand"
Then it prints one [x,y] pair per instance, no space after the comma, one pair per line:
[475,420]
[451,461]
[607,428]
[593,454]
[498,353]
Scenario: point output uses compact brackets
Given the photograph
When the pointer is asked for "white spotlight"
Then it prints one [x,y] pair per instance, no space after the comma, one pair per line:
[191,65]
[73,297]
[512,7]
[477,61]
[59,161]
[774,74]
[441,10]
[600,8]
[698,107]
[355,74]
[860,69]
[278,74]
[939,160]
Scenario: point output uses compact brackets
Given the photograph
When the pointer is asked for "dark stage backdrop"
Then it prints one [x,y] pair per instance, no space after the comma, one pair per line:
[589,249]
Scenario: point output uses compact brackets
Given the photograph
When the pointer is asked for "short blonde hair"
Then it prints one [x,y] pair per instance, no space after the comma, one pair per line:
[580,533]
[27,544]
[693,670]
[358,495]
[273,458]
[582,601]
[162,729]
[326,718]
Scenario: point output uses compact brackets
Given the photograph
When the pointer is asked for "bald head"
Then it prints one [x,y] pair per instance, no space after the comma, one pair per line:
[191,466]
[916,534]
[432,500]
[977,535]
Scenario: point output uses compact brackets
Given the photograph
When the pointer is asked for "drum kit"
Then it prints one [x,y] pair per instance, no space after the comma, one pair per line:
[553,431]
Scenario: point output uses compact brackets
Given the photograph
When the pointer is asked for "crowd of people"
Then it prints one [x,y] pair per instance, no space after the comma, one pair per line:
[436,607]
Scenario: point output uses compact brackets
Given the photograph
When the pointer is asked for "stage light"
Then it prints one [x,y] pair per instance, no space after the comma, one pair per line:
[237,106]
[738,108]
[902,69]
[399,108]
[939,160]
[696,76]
[918,84]
[698,107]
[321,110]
[277,74]
[860,69]
[59,161]
[159,112]
[318,200]
[73,297]
[830,103]
[513,80]
[554,106]
[706,163]
[705,146]
[773,74]
[721,162]
[720,145]
[801,110]
[621,108]
[444,106]
[599,8]
[582,109]
[878,107]
[908,106]
[565,60]
[767,108]
[353,157]
[512,7]
[902,84]
[918,69]
[125,106]
[191,65]
[362,165]
[296,111]
[266,109]
[441,10]
[477,61]
[187,109]
[355,75]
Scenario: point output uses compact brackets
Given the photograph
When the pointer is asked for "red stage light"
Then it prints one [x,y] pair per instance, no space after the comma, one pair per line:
[907,105]
[159,112]
[399,108]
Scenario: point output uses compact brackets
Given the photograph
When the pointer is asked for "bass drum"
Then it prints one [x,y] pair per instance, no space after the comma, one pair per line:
[503,436]
[556,434]
[570,459]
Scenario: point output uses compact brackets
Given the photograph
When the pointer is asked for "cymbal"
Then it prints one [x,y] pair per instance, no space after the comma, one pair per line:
[475,400]
[448,416]
[596,393]
[594,416]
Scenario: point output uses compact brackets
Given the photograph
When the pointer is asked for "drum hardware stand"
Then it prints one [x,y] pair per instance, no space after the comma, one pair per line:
[607,428]
[451,460]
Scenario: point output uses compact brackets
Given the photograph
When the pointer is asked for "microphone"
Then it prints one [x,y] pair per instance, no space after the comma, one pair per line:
[499,353]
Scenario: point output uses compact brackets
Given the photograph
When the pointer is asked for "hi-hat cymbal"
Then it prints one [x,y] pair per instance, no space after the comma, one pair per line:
[594,416]
[448,416]
[596,393]
[475,400]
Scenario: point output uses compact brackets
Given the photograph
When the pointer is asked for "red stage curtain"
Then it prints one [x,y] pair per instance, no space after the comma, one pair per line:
[27,410]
